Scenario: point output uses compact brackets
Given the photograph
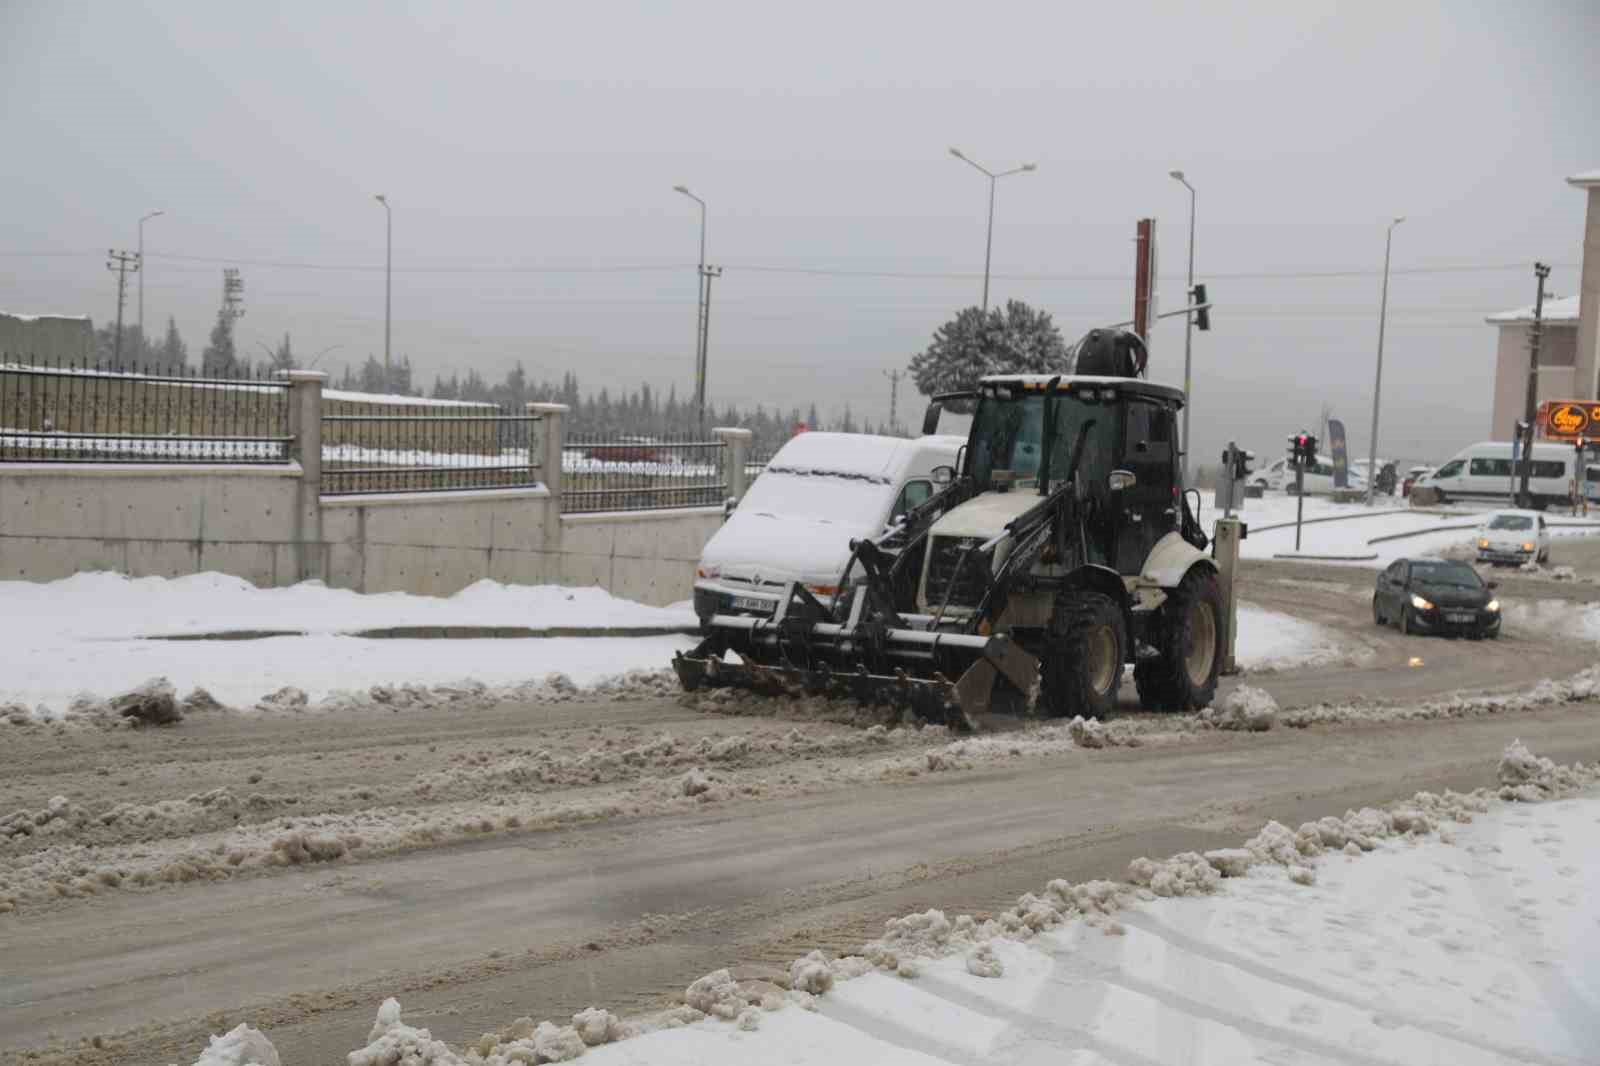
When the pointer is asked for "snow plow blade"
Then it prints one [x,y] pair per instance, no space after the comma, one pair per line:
[908,669]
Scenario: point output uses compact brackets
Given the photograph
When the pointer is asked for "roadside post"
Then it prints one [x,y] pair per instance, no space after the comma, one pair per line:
[1225,546]
[1302,451]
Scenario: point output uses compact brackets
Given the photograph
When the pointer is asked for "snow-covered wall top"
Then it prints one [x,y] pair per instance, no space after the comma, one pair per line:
[1557,311]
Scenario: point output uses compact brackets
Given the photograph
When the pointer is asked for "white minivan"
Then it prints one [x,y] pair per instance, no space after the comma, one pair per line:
[796,521]
[1278,476]
[1483,472]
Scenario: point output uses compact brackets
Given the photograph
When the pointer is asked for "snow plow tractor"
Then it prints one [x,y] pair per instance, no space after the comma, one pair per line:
[1061,548]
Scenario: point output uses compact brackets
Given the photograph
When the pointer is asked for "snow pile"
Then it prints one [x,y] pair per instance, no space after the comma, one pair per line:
[394,1043]
[1247,708]
[1582,687]
[153,703]
[1188,874]
[982,962]
[1268,641]
[240,1046]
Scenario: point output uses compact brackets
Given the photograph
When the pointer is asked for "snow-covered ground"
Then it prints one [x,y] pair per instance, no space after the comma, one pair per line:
[1453,928]
[82,635]
[86,636]
[1352,529]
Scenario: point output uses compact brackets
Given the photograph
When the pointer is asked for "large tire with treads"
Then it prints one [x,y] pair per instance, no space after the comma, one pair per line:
[1187,636]
[1081,668]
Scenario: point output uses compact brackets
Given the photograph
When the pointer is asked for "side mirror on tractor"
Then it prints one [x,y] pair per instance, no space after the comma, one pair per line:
[1122,479]
[942,475]
[930,419]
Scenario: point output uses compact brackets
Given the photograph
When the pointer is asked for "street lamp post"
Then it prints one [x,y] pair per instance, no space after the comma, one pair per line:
[142,221]
[1188,326]
[988,242]
[1377,385]
[702,313]
[388,274]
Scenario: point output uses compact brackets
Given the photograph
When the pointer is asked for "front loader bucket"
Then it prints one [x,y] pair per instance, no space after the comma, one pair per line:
[829,660]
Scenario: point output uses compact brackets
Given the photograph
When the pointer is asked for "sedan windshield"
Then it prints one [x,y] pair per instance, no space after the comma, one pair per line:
[1510,521]
[1446,573]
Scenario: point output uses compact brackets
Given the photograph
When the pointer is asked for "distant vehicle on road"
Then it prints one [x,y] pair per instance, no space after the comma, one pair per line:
[1412,475]
[796,521]
[1436,596]
[1483,472]
[1513,538]
[1278,476]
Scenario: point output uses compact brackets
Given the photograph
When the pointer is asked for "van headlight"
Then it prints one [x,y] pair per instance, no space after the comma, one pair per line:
[1483,542]
[1527,546]
[709,572]
[1492,605]
[1421,604]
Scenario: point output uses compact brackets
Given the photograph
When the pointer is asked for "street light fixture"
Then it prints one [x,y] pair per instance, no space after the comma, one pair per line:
[1377,385]
[703,312]
[388,275]
[988,243]
[142,221]
[1188,325]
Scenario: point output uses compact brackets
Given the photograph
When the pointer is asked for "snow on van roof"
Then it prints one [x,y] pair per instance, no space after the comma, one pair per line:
[1560,311]
[852,454]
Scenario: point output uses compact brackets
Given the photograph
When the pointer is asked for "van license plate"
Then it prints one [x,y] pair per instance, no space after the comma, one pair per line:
[1460,616]
[753,603]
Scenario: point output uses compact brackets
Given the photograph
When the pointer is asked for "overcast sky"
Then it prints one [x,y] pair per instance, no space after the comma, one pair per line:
[529,151]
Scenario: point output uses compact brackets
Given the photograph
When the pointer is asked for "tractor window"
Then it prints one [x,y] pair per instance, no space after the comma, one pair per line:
[1149,432]
[1008,434]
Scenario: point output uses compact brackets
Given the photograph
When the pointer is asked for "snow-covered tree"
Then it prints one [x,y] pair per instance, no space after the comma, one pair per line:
[220,356]
[1015,339]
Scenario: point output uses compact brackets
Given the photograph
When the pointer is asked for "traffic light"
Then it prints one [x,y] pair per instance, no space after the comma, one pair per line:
[1241,463]
[1303,448]
[1310,448]
[1202,317]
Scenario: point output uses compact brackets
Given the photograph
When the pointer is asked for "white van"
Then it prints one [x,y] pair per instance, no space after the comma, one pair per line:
[796,521]
[1483,472]
[1278,476]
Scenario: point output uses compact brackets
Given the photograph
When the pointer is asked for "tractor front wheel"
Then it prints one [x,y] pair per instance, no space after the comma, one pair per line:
[1081,668]
[1187,635]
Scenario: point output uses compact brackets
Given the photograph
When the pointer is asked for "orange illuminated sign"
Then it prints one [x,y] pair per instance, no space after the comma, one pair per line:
[1570,419]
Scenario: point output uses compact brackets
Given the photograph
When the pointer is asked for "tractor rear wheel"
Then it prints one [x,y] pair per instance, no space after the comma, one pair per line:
[1187,636]
[1081,668]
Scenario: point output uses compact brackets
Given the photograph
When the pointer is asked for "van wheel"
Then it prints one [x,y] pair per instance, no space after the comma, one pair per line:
[1187,634]
[1081,668]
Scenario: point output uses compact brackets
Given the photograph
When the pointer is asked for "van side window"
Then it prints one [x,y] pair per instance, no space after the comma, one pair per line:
[1492,468]
[1450,469]
[915,494]
[1548,468]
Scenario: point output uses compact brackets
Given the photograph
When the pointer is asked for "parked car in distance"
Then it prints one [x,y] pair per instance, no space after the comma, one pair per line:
[1436,596]
[1412,475]
[1513,537]
[1278,476]
[796,521]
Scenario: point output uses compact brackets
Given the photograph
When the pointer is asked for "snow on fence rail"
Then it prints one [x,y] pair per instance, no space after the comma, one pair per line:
[610,472]
[433,452]
[65,413]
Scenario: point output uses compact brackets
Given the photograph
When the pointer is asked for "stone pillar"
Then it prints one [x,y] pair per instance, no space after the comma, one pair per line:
[736,454]
[305,426]
[547,451]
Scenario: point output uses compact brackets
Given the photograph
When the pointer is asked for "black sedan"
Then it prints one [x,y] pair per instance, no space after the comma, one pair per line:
[1435,596]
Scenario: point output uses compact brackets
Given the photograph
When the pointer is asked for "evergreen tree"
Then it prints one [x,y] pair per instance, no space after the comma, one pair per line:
[220,357]
[283,357]
[173,353]
[1015,339]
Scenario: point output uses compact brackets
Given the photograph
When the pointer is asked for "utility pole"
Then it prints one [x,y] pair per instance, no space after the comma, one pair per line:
[142,221]
[1188,325]
[894,377]
[1377,384]
[388,275]
[709,273]
[1535,335]
[121,264]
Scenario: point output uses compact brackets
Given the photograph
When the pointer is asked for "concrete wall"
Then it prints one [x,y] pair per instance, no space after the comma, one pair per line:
[57,519]
[647,556]
[1557,379]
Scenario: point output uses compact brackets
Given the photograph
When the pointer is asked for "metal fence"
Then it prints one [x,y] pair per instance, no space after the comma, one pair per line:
[82,412]
[439,451]
[607,472]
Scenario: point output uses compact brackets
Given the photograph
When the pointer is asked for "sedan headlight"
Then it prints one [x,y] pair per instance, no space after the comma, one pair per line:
[1421,604]
[1492,605]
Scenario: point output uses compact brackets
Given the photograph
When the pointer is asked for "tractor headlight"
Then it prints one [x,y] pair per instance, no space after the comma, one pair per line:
[1421,604]
[1492,605]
